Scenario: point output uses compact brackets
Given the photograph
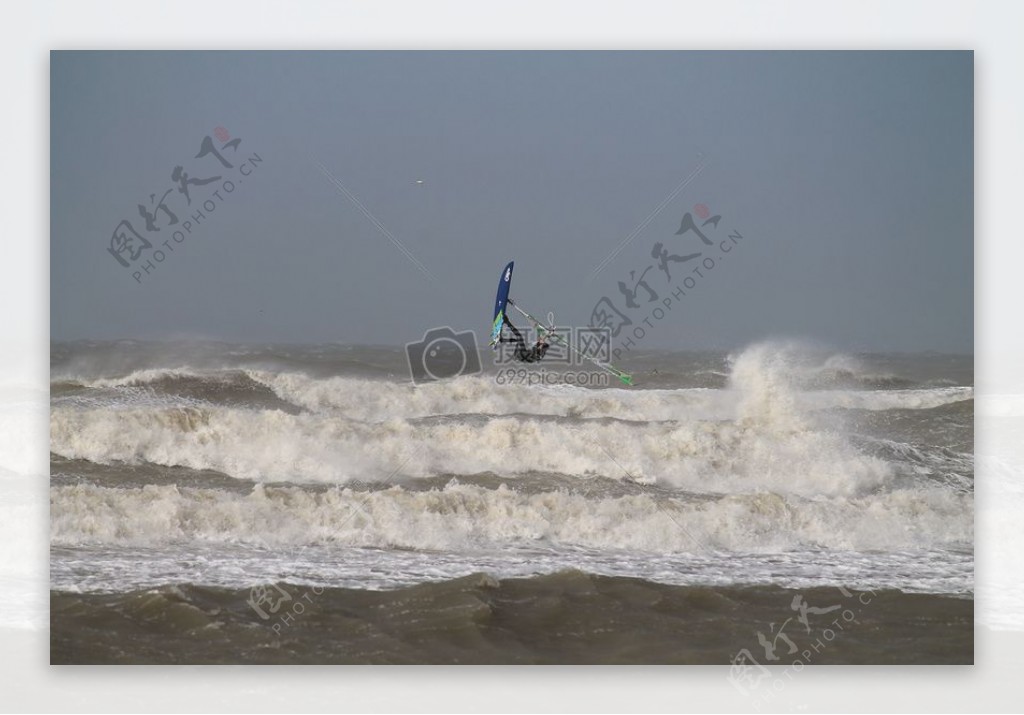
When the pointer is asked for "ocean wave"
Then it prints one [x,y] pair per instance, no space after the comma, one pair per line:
[881,400]
[758,452]
[158,387]
[378,400]
[808,366]
[923,458]
[568,617]
[761,434]
[460,517]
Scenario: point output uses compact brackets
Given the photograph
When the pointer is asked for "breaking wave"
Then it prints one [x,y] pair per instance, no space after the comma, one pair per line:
[761,434]
[379,400]
[780,455]
[462,516]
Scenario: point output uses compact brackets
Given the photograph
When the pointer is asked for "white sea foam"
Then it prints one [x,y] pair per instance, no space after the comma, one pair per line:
[758,452]
[761,466]
[378,400]
[760,435]
[461,517]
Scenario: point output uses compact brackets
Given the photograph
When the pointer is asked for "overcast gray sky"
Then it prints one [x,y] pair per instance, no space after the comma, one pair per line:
[849,176]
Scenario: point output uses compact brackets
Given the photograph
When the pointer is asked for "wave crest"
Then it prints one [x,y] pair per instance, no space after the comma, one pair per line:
[465,516]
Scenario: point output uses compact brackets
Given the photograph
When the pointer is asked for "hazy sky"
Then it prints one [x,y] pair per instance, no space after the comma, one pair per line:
[849,176]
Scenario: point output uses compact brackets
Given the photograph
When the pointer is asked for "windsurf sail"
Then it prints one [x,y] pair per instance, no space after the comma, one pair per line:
[500,301]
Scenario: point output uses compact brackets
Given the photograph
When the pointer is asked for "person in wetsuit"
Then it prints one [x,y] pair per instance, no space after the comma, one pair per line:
[522,353]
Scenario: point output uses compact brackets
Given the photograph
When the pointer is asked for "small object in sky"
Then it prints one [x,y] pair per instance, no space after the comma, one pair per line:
[419,182]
